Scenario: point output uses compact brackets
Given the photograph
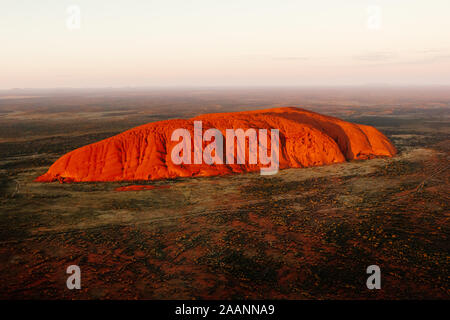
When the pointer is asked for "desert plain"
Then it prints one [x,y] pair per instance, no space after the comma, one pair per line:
[306,233]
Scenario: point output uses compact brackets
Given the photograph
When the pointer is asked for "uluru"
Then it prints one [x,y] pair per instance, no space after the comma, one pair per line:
[144,153]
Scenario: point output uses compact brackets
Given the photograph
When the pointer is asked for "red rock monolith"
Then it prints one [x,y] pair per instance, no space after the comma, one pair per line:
[144,153]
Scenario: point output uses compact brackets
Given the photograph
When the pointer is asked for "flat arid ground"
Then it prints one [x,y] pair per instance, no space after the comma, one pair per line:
[300,234]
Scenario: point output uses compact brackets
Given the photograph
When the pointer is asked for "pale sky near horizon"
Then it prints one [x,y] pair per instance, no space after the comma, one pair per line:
[232,42]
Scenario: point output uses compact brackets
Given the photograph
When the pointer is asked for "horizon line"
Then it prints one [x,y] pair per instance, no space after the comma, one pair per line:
[381,85]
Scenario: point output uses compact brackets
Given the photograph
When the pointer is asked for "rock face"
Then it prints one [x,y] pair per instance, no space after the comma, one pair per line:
[144,153]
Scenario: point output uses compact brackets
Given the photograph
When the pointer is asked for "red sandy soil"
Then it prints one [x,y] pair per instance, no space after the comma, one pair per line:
[140,188]
[144,153]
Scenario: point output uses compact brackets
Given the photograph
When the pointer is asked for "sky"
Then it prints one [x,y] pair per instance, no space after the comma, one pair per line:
[119,43]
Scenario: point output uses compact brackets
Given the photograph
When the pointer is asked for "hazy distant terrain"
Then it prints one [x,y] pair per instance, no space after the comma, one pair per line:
[303,233]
